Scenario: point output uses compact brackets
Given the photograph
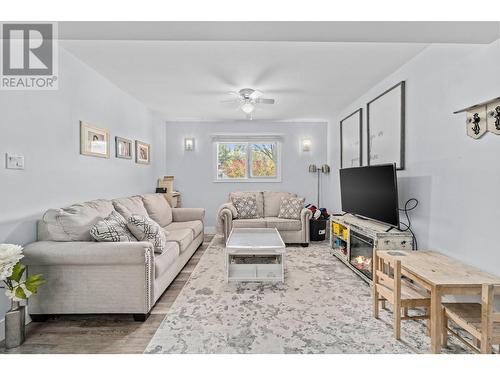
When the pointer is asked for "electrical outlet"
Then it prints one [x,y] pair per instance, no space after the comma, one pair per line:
[14,161]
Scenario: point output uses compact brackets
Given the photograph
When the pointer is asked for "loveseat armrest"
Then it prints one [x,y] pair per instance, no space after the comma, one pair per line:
[87,253]
[188,214]
[305,215]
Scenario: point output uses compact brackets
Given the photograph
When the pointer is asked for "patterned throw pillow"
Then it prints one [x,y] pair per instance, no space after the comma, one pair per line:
[290,207]
[112,229]
[145,229]
[246,205]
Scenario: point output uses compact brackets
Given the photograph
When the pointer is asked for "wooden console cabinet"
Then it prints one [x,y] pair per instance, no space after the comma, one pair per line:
[353,240]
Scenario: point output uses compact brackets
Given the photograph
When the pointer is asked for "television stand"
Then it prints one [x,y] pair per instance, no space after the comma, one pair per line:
[353,240]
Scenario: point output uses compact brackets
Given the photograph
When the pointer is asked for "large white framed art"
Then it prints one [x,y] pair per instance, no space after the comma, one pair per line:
[385,127]
[351,150]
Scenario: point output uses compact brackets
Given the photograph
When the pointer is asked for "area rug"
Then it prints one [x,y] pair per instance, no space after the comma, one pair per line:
[322,307]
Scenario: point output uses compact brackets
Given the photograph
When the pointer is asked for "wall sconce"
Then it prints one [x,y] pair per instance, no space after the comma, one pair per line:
[189,144]
[306,145]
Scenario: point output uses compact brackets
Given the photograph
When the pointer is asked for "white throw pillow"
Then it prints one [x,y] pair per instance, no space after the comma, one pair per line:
[145,229]
[291,207]
[112,229]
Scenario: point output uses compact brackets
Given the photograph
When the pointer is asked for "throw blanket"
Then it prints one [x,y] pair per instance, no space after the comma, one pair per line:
[220,224]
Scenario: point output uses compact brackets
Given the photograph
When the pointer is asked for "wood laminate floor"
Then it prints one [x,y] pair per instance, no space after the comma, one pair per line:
[89,334]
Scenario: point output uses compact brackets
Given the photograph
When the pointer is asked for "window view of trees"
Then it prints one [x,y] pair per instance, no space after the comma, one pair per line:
[235,159]
[232,160]
[263,160]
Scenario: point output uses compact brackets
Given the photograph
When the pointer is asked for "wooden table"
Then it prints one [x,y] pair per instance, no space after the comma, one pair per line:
[441,275]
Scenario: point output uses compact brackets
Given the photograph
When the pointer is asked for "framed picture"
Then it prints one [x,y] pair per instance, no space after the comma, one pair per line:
[351,150]
[386,127]
[142,152]
[94,141]
[123,148]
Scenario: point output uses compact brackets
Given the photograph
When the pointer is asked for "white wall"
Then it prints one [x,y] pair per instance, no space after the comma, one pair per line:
[44,127]
[195,171]
[455,178]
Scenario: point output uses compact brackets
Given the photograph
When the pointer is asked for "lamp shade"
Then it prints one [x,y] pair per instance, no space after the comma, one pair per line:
[313,168]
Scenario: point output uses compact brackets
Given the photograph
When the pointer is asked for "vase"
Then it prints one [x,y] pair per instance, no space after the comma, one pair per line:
[14,326]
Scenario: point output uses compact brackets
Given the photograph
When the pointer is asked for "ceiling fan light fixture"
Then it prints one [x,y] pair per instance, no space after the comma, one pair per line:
[247,107]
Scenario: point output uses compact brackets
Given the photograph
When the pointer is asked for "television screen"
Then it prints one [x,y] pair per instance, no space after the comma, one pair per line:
[371,192]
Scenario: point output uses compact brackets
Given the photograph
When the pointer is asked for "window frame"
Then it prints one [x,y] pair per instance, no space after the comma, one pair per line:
[249,143]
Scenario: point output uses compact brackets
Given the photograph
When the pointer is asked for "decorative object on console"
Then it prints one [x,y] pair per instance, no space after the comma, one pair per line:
[385,127]
[325,168]
[112,229]
[246,205]
[145,229]
[123,148]
[351,145]
[142,153]
[291,207]
[173,197]
[11,274]
[493,117]
[482,117]
[189,144]
[94,141]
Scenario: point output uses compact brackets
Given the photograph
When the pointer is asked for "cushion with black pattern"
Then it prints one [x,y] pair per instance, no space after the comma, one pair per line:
[246,206]
[291,207]
[145,229]
[112,229]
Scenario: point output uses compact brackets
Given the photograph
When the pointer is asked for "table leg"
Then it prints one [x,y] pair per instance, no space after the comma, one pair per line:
[436,323]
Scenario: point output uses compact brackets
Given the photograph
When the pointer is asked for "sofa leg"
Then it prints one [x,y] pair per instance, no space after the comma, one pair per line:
[305,244]
[141,317]
[39,318]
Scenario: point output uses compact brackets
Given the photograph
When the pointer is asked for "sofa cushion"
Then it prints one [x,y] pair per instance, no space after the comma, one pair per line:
[112,229]
[145,229]
[246,206]
[283,224]
[249,223]
[130,206]
[158,208]
[196,226]
[258,196]
[272,201]
[291,207]
[73,223]
[183,237]
[164,260]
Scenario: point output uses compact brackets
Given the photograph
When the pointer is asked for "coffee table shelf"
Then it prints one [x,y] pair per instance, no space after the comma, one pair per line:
[255,254]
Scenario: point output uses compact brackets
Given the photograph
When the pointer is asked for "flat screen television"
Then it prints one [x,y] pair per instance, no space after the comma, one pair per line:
[371,192]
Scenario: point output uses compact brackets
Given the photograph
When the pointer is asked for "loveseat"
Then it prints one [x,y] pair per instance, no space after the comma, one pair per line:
[268,207]
[88,277]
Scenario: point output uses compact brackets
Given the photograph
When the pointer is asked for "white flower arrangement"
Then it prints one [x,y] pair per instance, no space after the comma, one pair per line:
[11,273]
[9,256]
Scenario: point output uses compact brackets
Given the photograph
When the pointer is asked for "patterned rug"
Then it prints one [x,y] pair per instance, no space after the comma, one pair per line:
[322,307]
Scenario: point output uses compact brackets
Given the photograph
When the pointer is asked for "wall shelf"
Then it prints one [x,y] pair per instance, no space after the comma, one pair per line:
[477,105]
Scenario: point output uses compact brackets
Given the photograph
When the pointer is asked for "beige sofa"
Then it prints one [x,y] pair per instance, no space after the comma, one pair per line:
[88,277]
[268,205]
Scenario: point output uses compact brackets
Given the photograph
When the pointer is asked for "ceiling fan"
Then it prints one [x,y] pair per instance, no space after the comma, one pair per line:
[248,99]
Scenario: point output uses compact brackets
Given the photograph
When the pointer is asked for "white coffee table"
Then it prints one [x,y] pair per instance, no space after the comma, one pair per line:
[246,250]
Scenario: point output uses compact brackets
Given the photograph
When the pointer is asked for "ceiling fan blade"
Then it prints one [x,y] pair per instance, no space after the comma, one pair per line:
[264,101]
[255,95]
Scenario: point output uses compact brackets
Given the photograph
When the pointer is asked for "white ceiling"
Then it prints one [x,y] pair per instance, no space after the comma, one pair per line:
[167,66]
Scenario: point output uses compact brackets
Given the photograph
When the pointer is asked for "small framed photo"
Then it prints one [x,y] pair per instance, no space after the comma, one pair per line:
[123,148]
[94,141]
[142,152]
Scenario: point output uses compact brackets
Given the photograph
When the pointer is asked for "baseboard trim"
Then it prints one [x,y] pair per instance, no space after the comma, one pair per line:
[210,230]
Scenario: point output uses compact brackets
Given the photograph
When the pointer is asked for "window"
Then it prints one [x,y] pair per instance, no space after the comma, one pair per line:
[248,161]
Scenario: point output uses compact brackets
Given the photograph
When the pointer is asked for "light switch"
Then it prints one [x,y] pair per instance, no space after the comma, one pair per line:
[14,161]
